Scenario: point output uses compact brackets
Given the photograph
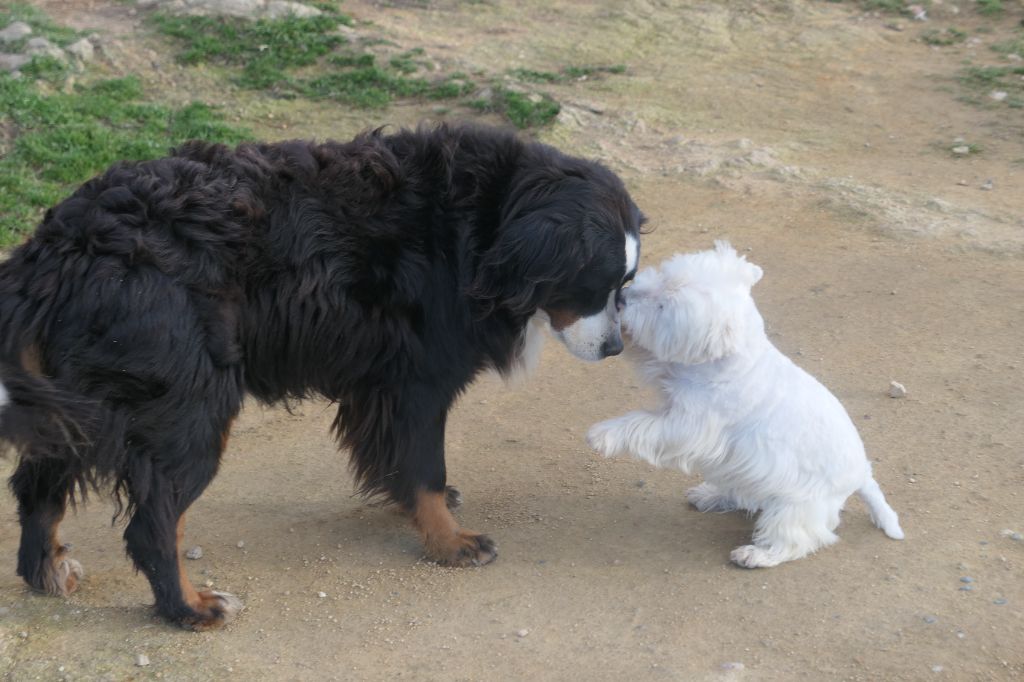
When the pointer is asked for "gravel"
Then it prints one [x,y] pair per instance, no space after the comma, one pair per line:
[897,390]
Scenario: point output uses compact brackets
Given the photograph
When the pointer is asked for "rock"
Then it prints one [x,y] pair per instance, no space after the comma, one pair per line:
[999,601]
[967,579]
[81,50]
[277,9]
[522,633]
[142,660]
[961,149]
[1012,534]
[241,544]
[732,665]
[998,95]
[930,619]
[13,62]
[15,31]
[937,668]
[322,595]
[987,185]
[967,588]
[41,47]
[194,553]
[897,390]
[918,12]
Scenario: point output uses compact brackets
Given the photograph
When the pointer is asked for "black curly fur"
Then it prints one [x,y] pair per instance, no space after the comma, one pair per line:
[383,274]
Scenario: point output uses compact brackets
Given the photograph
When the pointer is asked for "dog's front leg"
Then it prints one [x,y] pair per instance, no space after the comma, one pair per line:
[640,434]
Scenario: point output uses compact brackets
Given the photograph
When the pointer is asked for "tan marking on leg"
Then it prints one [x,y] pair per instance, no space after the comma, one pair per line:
[32,360]
[443,540]
[61,574]
[215,609]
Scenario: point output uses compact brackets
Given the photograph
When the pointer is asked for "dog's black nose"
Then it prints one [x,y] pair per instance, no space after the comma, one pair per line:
[612,346]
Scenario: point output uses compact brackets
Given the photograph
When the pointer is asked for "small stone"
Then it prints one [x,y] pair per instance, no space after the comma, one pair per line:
[998,95]
[1012,534]
[987,185]
[967,579]
[937,668]
[322,595]
[897,390]
[931,619]
[43,47]
[1000,601]
[142,660]
[13,62]
[962,183]
[82,50]
[241,544]
[967,588]
[732,665]
[15,31]
[961,149]
[23,634]
[194,553]
[208,583]
[522,633]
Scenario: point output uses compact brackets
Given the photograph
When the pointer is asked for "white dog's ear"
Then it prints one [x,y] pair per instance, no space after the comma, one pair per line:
[693,329]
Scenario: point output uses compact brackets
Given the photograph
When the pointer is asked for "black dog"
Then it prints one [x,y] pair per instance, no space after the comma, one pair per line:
[382,274]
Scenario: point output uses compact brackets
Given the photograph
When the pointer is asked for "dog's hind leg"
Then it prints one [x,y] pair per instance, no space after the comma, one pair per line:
[42,487]
[153,535]
[785,532]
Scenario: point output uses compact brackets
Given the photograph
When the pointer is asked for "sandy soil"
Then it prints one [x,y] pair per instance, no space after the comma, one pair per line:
[810,135]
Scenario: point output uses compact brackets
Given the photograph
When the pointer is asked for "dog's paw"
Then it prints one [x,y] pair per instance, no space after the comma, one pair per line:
[466,549]
[752,556]
[603,438]
[212,611]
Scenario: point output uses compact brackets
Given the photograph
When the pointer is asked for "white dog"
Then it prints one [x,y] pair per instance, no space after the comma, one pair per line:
[766,436]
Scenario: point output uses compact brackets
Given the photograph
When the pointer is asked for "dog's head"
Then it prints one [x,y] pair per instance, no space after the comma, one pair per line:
[693,308]
[567,242]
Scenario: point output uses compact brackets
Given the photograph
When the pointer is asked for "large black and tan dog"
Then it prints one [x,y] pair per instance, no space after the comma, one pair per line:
[382,274]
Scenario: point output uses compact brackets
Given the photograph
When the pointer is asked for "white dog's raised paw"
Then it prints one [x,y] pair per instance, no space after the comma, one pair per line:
[752,556]
[707,498]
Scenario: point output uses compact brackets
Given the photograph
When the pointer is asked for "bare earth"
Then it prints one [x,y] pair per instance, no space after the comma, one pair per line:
[811,136]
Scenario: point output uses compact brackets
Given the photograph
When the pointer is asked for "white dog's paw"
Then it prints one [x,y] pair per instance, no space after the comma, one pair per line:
[707,498]
[603,438]
[752,556]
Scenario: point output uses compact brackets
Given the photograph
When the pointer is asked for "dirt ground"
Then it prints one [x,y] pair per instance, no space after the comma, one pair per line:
[811,135]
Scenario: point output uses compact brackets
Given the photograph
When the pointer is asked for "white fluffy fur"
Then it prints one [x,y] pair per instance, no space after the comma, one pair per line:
[765,434]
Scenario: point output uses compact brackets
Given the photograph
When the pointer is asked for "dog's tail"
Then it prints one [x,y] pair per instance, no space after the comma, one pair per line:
[40,420]
[882,514]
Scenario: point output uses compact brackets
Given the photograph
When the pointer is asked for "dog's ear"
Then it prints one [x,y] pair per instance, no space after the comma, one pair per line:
[532,254]
[692,329]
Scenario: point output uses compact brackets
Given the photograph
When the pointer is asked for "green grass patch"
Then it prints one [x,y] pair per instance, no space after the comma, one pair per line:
[1012,46]
[42,25]
[264,49]
[982,81]
[523,110]
[949,36]
[567,74]
[58,140]
[990,7]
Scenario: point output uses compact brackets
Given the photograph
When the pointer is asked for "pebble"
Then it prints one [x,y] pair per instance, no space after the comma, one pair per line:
[961,149]
[732,665]
[241,544]
[322,595]
[194,553]
[23,634]
[1012,534]
[937,668]
[142,660]
[930,619]
[987,185]
[522,633]
[897,390]
[999,602]
[967,579]
[15,31]
[998,95]
[962,183]
[966,588]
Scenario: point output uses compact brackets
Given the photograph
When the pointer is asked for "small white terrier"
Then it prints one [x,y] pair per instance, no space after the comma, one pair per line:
[766,436]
